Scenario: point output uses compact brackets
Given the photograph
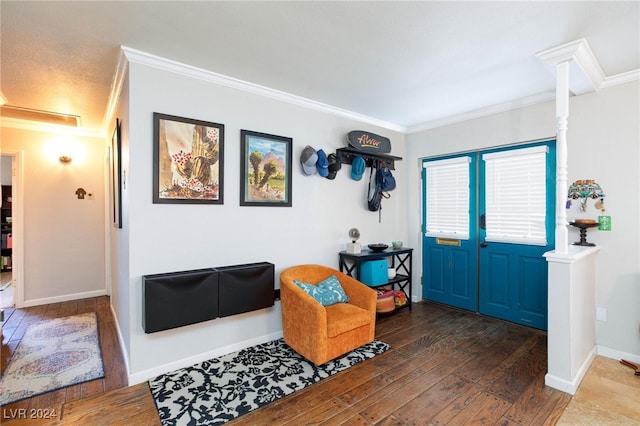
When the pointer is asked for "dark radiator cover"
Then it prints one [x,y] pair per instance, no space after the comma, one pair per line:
[181,298]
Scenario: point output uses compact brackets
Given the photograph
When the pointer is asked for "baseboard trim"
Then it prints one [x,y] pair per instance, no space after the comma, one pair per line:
[123,348]
[143,376]
[616,354]
[567,386]
[64,298]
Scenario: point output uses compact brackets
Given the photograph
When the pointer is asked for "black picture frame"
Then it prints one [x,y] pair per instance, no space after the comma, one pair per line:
[116,174]
[188,160]
[268,156]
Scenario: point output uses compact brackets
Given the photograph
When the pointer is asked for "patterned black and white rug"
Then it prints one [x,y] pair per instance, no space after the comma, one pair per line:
[219,390]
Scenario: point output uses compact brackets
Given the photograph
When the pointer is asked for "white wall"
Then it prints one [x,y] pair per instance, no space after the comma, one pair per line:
[603,144]
[64,243]
[177,237]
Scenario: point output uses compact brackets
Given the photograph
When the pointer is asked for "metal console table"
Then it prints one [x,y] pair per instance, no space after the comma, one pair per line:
[401,260]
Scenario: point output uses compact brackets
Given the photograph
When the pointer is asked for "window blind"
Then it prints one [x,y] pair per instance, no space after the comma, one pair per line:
[447,198]
[515,197]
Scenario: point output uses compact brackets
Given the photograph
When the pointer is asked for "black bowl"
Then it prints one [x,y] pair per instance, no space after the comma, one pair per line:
[378,247]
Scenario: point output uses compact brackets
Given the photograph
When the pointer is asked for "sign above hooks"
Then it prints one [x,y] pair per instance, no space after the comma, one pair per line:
[367,141]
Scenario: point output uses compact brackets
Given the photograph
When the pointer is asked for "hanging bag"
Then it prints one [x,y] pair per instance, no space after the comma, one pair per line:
[374,198]
[385,179]
[375,195]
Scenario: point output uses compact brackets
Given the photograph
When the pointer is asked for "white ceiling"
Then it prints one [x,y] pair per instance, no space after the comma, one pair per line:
[404,63]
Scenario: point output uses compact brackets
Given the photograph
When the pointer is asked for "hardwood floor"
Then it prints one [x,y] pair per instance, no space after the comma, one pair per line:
[445,367]
[33,411]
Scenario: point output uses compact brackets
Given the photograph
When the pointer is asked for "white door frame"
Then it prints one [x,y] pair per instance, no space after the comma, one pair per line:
[17,227]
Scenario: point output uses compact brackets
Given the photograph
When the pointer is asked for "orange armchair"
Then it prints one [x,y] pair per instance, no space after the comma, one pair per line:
[322,333]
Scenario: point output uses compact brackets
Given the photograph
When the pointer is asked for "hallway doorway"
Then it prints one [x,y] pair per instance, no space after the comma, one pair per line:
[6,242]
[11,292]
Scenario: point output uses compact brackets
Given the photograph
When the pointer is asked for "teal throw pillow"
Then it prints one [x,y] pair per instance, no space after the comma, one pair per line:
[326,292]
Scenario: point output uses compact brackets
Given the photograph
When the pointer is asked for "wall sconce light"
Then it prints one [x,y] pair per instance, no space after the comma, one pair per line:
[65,151]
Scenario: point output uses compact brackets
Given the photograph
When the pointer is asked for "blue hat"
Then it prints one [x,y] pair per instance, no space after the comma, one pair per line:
[322,164]
[357,168]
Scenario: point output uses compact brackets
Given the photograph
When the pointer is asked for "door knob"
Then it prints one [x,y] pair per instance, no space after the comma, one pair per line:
[483,244]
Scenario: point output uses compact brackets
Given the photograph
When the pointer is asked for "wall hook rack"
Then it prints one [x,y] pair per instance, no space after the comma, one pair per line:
[346,156]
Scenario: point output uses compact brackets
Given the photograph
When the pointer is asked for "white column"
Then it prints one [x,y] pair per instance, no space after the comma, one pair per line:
[571,286]
[562,114]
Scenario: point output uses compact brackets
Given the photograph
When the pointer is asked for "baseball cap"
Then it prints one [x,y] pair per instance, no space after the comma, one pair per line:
[322,164]
[308,159]
[357,168]
[334,166]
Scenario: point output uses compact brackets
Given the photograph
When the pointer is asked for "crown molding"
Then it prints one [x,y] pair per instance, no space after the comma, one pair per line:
[484,112]
[586,76]
[585,72]
[625,77]
[610,81]
[137,56]
[114,93]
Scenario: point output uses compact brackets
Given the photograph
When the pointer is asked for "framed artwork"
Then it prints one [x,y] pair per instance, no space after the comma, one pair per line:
[115,154]
[265,169]
[188,160]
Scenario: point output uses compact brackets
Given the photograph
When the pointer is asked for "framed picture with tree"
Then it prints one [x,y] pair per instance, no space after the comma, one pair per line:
[265,169]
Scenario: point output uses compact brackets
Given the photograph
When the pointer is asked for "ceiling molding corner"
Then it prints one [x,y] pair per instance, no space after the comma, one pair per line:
[586,74]
[137,56]
[114,93]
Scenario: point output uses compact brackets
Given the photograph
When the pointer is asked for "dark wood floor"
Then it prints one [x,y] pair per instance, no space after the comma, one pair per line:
[51,404]
[445,367]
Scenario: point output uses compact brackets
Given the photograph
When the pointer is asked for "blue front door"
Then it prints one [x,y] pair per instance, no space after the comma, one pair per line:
[496,267]
[450,241]
[517,208]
